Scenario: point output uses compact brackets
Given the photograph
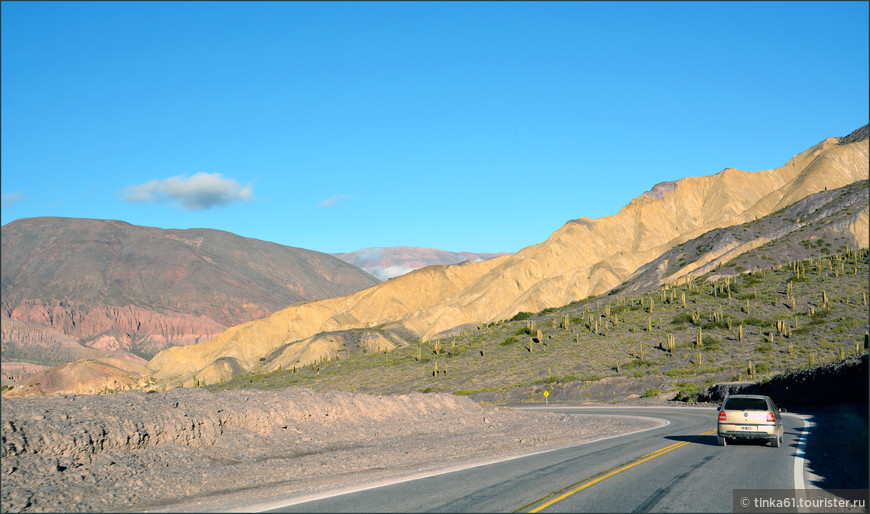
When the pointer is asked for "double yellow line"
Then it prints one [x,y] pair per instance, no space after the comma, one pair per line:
[629,465]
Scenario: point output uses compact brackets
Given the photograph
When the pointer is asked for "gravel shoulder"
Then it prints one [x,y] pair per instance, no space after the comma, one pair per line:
[192,451]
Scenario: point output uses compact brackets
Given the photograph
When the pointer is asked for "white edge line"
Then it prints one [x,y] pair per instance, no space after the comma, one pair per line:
[801,453]
[386,482]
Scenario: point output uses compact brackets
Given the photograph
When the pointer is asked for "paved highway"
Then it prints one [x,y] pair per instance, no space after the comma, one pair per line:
[676,467]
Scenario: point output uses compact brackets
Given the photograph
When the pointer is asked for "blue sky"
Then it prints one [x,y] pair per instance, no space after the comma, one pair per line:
[461,126]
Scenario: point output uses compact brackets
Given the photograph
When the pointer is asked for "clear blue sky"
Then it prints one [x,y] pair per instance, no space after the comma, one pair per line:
[461,126]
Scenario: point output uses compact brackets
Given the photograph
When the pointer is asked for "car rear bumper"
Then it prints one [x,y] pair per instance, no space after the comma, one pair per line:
[737,431]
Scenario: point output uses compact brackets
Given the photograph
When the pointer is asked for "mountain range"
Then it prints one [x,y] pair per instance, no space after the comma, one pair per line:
[85,288]
[391,262]
[584,257]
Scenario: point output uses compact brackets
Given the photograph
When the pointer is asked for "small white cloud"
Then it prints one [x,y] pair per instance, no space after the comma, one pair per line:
[333,200]
[200,192]
[10,199]
[388,272]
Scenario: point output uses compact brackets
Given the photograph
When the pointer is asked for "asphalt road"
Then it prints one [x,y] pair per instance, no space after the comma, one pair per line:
[677,467]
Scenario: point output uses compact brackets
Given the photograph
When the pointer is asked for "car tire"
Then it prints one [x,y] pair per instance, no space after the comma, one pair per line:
[721,441]
[775,441]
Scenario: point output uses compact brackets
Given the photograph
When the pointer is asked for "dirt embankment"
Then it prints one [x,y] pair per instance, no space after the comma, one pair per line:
[137,451]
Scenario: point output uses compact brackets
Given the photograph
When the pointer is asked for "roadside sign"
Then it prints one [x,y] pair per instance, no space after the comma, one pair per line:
[546,397]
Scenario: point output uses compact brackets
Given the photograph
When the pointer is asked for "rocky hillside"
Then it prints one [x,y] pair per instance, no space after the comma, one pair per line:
[387,263]
[836,217]
[84,288]
[585,257]
[837,382]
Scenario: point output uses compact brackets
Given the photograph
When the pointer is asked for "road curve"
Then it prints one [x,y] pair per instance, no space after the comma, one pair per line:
[677,467]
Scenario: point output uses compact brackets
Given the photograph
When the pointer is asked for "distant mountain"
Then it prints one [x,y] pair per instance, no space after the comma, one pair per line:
[584,257]
[86,288]
[391,262]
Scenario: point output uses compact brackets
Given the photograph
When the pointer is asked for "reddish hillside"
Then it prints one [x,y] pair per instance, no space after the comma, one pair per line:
[73,286]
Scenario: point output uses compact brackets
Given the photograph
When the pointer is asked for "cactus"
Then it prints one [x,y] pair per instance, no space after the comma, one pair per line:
[641,350]
[651,304]
[729,323]
[683,299]
[751,370]
[824,299]
[700,341]
[540,336]
[649,324]
[812,359]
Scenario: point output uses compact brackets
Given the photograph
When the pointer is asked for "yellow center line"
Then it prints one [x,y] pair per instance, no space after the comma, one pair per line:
[642,459]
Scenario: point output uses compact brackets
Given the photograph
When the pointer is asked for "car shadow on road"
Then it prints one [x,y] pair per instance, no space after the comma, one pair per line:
[709,440]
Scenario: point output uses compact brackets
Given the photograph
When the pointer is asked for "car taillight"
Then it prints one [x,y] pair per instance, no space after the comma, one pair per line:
[770,418]
[721,415]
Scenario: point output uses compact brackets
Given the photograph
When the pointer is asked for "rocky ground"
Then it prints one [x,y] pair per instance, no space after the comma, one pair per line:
[195,450]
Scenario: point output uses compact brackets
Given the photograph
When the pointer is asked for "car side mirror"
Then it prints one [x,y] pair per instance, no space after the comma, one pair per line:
[782,410]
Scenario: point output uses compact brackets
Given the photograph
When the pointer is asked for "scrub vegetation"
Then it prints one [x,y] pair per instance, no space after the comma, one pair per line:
[717,327]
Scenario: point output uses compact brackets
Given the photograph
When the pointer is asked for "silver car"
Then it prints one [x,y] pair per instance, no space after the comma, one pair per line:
[749,416]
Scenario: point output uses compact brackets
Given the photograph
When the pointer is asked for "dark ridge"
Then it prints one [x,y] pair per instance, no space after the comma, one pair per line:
[856,135]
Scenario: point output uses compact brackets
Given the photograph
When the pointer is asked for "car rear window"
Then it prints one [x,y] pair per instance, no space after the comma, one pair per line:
[745,404]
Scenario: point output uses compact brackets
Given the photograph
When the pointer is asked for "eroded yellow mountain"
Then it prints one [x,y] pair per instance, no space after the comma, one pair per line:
[582,258]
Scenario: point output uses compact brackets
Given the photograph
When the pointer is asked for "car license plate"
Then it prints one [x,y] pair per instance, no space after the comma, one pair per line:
[747,428]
